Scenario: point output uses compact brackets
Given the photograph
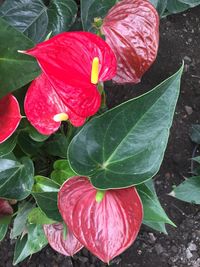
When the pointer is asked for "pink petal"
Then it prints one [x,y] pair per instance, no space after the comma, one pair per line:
[106,228]
[5,208]
[68,246]
[132,31]
[9,116]
[42,103]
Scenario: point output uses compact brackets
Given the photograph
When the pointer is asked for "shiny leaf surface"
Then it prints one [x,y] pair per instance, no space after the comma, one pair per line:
[131,29]
[27,16]
[29,244]
[3,231]
[91,9]
[36,216]
[125,146]
[68,245]
[62,171]
[188,191]
[46,191]
[160,5]
[16,69]
[106,227]
[16,178]
[7,146]
[9,116]
[62,14]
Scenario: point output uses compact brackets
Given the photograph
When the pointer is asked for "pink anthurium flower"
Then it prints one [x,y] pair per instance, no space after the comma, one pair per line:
[9,116]
[67,245]
[72,63]
[105,222]
[131,29]
[5,208]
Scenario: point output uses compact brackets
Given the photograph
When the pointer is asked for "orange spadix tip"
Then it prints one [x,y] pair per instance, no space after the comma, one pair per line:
[95,71]
[61,117]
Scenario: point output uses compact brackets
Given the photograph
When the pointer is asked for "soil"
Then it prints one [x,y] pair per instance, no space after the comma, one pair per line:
[180,38]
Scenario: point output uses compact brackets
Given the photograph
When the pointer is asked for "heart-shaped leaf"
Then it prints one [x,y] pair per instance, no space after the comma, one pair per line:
[67,245]
[62,14]
[92,9]
[16,69]
[34,241]
[16,178]
[27,16]
[125,146]
[106,223]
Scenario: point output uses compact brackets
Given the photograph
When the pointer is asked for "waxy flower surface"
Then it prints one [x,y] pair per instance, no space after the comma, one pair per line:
[105,222]
[72,63]
[131,29]
[9,116]
[64,243]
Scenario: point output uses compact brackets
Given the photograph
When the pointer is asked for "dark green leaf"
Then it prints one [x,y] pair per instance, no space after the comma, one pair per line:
[57,146]
[62,14]
[153,211]
[191,3]
[20,220]
[197,159]
[31,243]
[160,5]
[91,9]
[16,178]
[28,145]
[36,136]
[16,69]
[195,133]
[125,146]
[29,17]
[8,146]
[188,191]
[3,231]
[175,6]
[45,192]
[36,216]
[62,171]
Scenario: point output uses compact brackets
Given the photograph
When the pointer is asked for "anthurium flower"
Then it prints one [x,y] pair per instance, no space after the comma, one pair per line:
[72,64]
[106,223]
[64,243]
[5,208]
[9,116]
[131,29]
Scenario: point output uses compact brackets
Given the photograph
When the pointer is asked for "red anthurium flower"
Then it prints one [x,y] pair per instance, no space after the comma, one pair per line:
[9,116]
[5,208]
[132,31]
[67,245]
[73,63]
[106,223]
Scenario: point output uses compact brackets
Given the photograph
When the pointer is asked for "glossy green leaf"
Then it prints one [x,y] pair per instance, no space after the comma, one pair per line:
[20,220]
[160,5]
[91,9]
[175,6]
[153,211]
[62,14]
[31,243]
[36,216]
[195,133]
[62,171]
[188,191]
[125,146]
[45,192]
[16,69]
[36,136]
[57,145]
[8,146]
[28,145]
[158,226]
[16,178]
[3,231]
[27,16]
[192,3]
[196,159]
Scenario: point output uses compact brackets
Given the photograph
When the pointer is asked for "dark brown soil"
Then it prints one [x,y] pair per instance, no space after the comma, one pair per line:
[180,39]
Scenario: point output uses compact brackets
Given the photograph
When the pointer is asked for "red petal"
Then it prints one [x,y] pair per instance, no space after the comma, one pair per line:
[5,208]
[42,103]
[106,228]
[132,31]
[68,246]
[66,59]
[9,116]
